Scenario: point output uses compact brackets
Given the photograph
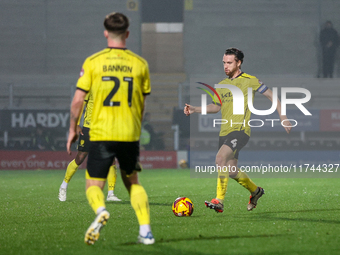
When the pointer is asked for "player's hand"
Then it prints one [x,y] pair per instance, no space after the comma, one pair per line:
[188,109]
[79,130]
[72,137]
[287,125]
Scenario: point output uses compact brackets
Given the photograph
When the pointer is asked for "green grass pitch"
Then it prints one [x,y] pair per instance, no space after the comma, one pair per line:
[295,216]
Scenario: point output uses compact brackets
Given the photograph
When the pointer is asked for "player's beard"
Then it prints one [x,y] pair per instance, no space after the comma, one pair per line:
[230,73]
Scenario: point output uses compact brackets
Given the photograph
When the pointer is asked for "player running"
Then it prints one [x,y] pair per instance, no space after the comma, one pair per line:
[83,149]
[119,81]
[233,138]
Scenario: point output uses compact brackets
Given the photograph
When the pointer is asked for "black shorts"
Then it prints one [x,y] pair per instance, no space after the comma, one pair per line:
[235,140]
[102,154]
[84,140]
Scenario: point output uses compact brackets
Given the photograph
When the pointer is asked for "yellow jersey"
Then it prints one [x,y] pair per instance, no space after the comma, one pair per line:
[88,105]
[237,122]
[118,80]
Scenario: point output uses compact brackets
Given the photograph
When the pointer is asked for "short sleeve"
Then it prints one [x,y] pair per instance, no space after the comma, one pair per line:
[258,85]
[85,77]
[146,86]
[216,99]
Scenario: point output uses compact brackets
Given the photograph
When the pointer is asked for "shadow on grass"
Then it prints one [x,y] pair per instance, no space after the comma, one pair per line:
[303,220]
[200,237]
[128,202]
[265,216]
[302,211]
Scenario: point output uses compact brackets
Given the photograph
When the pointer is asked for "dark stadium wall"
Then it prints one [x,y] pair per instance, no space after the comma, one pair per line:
[278,37]
[165,11]
[54,37]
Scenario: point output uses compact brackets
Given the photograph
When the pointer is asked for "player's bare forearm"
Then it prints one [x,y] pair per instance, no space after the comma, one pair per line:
[211,108]
[82,109]
[76,107]
[284,120]
[72,137]
[287,125]
[73,120]
[73,134]
[79,130]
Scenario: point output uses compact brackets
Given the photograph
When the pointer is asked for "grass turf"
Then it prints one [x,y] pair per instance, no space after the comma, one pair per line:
[295,216]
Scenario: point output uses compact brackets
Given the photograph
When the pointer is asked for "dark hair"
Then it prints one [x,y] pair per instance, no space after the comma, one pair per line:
[116,22]
[236,52]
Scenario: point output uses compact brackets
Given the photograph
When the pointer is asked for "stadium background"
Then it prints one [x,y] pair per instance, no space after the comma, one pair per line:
[44,43]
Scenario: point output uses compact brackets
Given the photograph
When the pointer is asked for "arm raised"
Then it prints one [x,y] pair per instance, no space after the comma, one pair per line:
[211,108]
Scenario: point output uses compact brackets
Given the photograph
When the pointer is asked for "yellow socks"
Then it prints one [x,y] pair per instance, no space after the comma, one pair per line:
[111,178]
[243,179]
[70,171]
[222,184]
[95,196]
[140,203]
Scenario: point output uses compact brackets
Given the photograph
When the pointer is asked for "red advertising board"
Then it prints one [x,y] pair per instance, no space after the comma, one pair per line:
[31,160]
[158,159]
[329,120]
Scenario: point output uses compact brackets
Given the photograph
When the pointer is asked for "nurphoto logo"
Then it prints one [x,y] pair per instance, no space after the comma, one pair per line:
[238,103]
